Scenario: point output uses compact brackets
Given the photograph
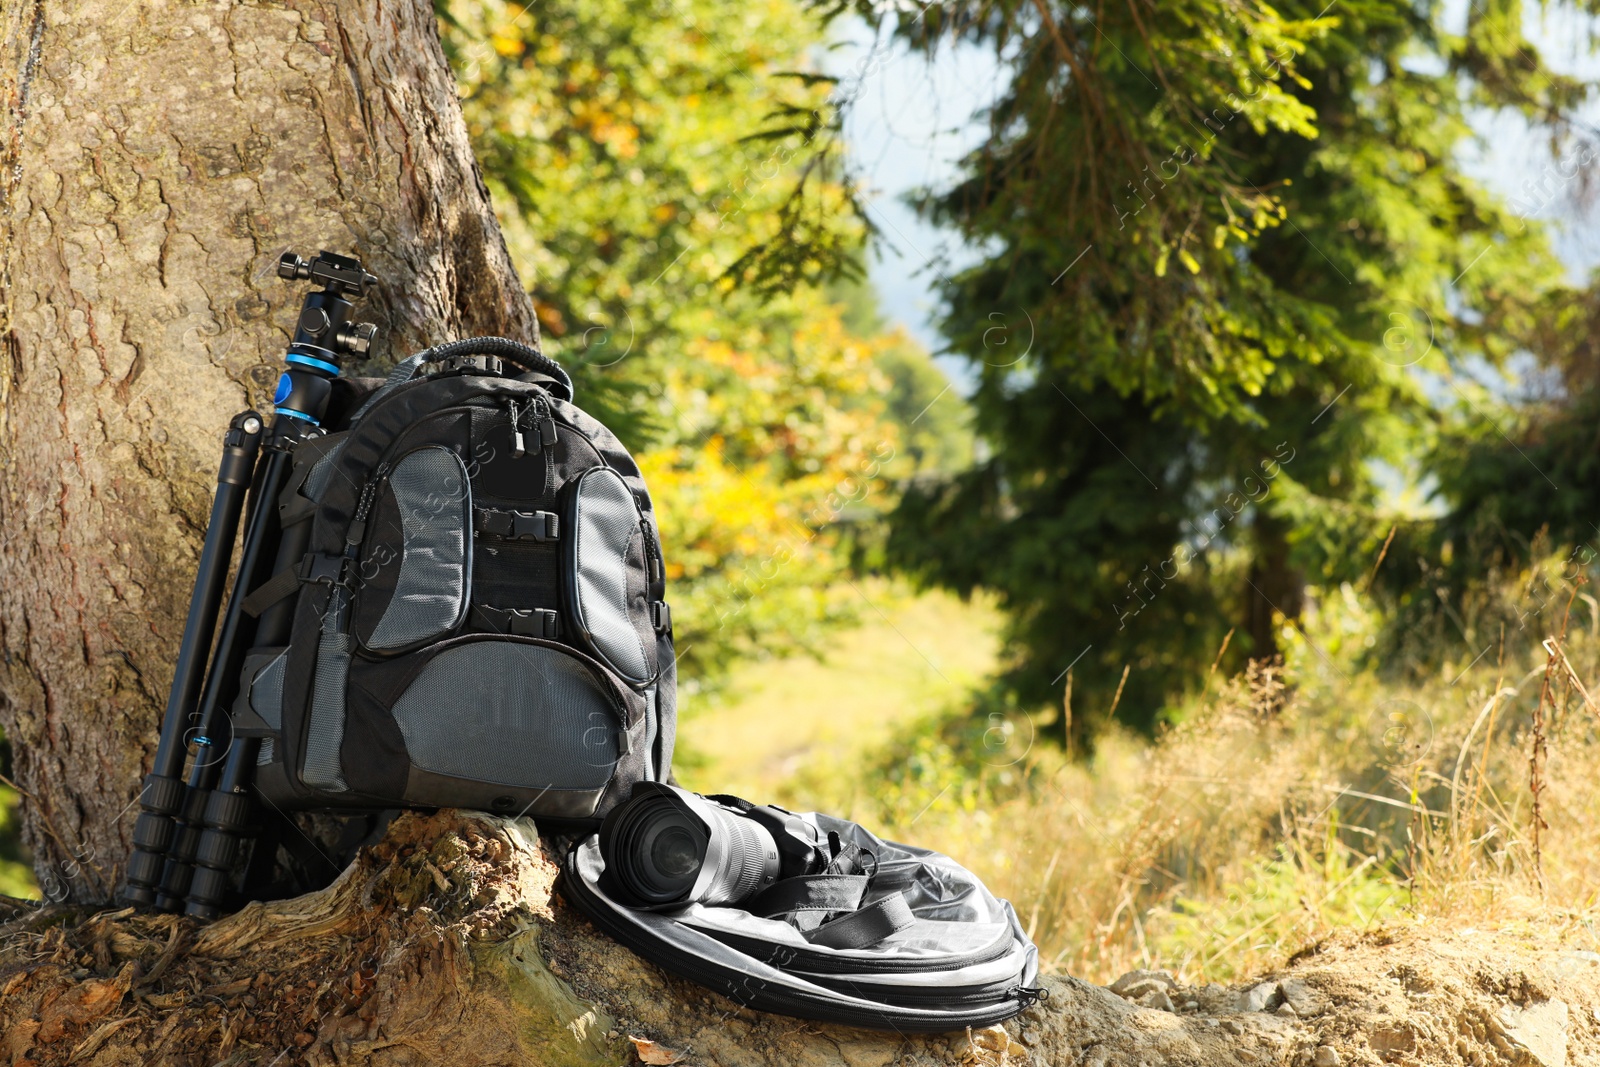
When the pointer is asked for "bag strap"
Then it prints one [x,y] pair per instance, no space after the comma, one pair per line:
[827,909]
[866,926]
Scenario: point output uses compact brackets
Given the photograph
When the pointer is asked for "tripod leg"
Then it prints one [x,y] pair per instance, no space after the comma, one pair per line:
[212,740]
[162,793]
[229,807]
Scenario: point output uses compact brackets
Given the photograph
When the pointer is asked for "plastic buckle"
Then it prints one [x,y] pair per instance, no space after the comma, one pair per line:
[537,525]
[488,365]
[661,616]
[532,622]
[518,525]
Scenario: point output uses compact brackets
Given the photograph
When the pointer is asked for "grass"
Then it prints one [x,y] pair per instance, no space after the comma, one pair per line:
[1328,794]
[908,655]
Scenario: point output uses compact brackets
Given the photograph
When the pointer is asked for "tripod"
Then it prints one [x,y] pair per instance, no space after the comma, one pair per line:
[190,832]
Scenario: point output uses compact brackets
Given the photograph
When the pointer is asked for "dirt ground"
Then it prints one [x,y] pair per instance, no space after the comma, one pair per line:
[445,946]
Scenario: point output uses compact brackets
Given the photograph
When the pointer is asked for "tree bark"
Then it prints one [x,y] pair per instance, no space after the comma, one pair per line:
[157,158]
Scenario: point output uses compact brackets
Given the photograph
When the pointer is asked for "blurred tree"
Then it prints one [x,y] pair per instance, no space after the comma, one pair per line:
[1233,264]
[638,156]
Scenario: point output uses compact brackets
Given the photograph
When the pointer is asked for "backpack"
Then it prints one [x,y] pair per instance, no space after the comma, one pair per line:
[479,614]
[916,944]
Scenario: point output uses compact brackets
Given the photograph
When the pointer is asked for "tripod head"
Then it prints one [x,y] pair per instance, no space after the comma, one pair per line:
[324,334]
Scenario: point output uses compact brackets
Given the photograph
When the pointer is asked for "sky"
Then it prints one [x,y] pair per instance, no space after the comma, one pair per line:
[912,121]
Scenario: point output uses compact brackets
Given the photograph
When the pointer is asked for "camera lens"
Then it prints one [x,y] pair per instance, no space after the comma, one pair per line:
[675,853]
[667,846]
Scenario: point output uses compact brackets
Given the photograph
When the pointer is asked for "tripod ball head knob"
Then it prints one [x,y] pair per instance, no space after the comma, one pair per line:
[356,337]
[292,267]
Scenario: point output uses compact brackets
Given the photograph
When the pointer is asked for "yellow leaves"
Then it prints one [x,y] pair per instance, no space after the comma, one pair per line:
[1188,261]
[507,42]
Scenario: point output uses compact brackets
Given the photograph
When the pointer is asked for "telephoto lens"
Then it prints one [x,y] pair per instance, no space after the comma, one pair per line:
[667,847]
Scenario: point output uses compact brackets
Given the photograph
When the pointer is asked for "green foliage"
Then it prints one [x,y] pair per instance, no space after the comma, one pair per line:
[665,181]
[1240,261]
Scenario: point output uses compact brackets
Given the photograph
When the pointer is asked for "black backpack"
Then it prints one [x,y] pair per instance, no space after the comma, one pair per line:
[479,619]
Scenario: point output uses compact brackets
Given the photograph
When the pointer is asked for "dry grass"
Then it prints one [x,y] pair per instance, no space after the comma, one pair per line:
[1289,804]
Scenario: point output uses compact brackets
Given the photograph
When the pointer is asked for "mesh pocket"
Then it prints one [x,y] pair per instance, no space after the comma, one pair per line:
[512,713]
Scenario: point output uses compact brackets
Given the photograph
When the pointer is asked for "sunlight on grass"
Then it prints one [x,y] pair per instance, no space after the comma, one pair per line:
[1286,805]
[910,654]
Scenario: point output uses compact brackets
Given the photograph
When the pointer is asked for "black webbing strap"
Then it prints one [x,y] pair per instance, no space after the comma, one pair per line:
[807,901]
[312,568]
[866,926]
[810,894]
[517,525]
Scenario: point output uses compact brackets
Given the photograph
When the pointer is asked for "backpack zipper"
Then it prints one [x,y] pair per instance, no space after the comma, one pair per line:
[357,532]
[819,963]
[542,429]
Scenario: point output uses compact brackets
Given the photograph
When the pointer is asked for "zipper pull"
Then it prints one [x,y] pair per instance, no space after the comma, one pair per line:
[547,423]
[519,447]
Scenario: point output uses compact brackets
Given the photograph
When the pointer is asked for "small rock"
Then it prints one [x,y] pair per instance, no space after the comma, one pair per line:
[1191,1005]
[1031,1037]
[1233,1026]
[1258,998]
[1299,996]
[1287,1011]
[1135,983]
[1541,1028]
[1157,999]
[1325,1056]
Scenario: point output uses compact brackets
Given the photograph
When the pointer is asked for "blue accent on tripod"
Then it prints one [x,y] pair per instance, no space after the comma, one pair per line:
[316,364]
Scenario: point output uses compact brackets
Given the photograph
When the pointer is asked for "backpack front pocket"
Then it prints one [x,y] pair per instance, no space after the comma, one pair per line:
[505,724]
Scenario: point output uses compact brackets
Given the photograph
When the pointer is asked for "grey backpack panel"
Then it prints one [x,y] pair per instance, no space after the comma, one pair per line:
[607,542]
[434,498]
[266,700]
[512,714]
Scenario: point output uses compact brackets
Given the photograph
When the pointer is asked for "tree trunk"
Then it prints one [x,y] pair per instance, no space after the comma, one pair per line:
[1272,586]
[157,159]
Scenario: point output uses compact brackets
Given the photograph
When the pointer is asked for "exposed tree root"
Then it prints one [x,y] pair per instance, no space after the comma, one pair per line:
[444,945]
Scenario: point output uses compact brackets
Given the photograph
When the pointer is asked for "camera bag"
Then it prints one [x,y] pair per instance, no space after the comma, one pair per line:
[918,944]
[480,619]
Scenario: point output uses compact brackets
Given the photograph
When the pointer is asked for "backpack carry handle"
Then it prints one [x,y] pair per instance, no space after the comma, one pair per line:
[524,356]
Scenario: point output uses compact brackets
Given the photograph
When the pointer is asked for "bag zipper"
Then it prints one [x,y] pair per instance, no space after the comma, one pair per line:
[543,429]
[818,963]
